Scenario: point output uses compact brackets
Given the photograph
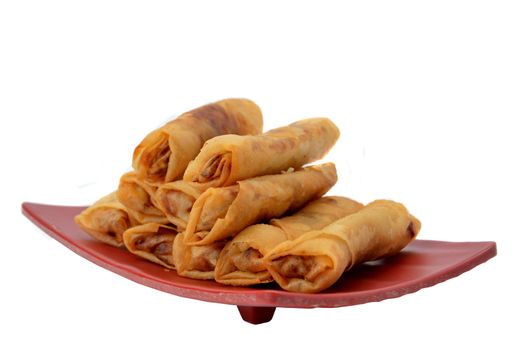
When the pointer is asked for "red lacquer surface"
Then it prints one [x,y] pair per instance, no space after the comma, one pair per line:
[421,264]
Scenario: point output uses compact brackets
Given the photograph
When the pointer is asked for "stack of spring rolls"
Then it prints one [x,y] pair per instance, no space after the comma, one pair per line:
[213,197]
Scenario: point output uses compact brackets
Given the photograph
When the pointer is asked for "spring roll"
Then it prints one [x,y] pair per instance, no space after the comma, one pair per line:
[315,260]
[106,220]
[226,159]
[163,245]
[196,262]
[222,212]
[175,199]
[138,198]
[163,154]
[241,261]
[152,241]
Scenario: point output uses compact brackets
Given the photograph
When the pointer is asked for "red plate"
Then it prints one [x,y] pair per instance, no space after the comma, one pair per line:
[421,264]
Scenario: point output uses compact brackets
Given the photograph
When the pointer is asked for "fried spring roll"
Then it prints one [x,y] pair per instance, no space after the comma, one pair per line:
[226,159]
[139,200]
[314,261]
[222,212]
[196,262]
[241,261]
[163,154]
[106,220]
[175,199]
[163,245]
[151,241]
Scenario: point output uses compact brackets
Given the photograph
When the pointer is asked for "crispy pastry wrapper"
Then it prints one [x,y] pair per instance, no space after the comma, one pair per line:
[152,241]
[163,154]
[241,261]
[222,212]
[316,260]
[196,262]
[175,199]
[163,245]
[106,220]
[139,199]
[226,159]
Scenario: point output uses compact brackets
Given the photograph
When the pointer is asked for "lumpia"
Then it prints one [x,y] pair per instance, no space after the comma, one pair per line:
[241,261]
[222,212]
[106,220]
[316,260]
[163,154]
[226,159]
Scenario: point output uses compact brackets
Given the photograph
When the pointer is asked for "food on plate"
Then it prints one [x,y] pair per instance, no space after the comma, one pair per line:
[196,261]
[226,159]
[222,212]
[315,260]
[175,199]
[151,241]
[106,220]
[138,198]
[210,197]
[164,153]
[241,261]
[162,244]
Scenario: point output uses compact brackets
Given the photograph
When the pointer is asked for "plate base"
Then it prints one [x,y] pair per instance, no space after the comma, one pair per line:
[256,314]
[423,263]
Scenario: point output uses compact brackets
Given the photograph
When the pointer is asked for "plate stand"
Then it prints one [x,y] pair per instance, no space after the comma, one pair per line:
[256,314]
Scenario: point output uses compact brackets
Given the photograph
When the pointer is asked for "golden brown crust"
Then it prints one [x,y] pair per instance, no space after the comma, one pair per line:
[151,241]
[197,262]
[228,210]
[226,159]
[105,220]
[241,261]
[139,200]
[164,153]
[314,261]
[175,200]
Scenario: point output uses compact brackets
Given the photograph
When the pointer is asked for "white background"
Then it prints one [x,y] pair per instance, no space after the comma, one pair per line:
[429,98]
